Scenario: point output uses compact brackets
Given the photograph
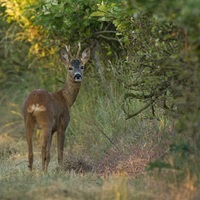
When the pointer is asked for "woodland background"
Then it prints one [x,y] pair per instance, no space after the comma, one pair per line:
[135,127]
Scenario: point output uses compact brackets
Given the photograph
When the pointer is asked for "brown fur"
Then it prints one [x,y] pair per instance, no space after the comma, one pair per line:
[50,111]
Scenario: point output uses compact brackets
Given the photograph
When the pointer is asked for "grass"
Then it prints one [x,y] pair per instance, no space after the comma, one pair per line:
[117,174]
[105,156]
[18,183]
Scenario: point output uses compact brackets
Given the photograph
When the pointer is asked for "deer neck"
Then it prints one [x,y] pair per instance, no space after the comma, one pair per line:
[70,91]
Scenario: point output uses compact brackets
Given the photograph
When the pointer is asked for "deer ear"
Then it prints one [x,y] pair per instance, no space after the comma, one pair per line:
[64,56]
[85,55]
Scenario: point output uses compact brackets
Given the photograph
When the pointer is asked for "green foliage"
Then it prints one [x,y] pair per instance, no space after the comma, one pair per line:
[158,164]
[154,62]
[154,55]
[175,158]
[65,19]
[184,13]
[115,14]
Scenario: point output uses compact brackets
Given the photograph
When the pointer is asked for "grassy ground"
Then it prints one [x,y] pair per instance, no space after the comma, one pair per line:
[106,157]
[126,180]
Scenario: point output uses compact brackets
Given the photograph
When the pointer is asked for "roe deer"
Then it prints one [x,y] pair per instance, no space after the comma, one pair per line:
[50,111]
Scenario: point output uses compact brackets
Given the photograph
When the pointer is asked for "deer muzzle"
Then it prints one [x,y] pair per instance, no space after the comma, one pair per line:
[78,77]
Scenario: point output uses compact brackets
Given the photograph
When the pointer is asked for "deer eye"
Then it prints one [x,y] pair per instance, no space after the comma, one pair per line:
[82,67]
[70,68]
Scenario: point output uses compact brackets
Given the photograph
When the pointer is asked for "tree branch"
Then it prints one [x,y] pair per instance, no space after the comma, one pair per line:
[99,32]
[107,38]
[102,132]
[139,111]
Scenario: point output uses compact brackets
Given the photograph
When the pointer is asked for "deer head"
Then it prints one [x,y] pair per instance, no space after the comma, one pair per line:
[75,66]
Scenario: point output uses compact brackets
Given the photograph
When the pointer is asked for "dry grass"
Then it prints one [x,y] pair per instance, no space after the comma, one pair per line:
[115,176]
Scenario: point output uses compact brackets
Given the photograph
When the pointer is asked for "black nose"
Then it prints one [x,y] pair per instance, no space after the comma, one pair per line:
[77,76]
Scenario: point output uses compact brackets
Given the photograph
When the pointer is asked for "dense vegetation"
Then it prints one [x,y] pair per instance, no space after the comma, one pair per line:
[140,98]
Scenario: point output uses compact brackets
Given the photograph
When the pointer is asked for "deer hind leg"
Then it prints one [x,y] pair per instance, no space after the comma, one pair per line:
[29,126]
[61,138]
[45,122]
[46,144]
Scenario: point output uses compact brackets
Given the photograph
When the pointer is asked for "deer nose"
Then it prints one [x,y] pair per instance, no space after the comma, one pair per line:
[77,77]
